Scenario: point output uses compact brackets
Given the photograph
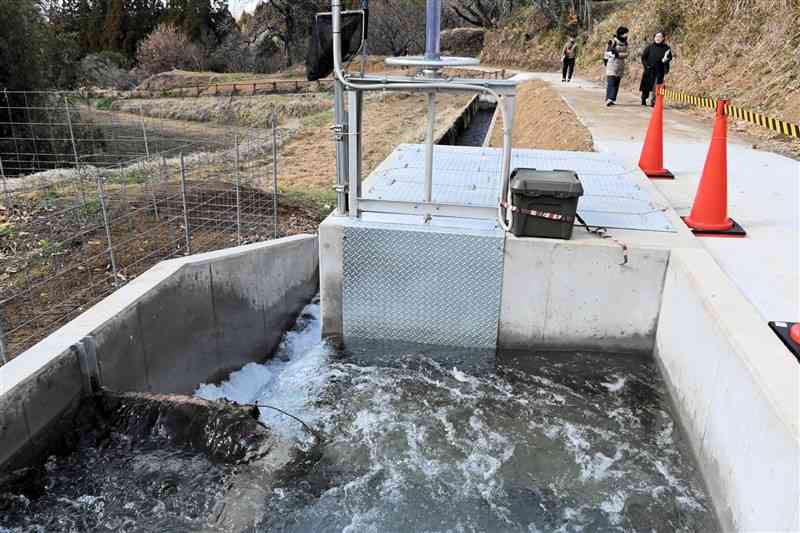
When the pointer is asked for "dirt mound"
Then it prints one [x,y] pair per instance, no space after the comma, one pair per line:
[463,41]
[543,120]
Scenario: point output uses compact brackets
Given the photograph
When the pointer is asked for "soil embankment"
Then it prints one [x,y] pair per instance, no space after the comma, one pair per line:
[543,120]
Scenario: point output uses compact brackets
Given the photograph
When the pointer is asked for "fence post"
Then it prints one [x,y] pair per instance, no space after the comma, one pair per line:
[274,173]
[75,151]
[238,195]
[185,210]
[144,132]
[35,162]
[163,169]
[6,194]
[101,194]
[13,133]
[3,352]
[151,184]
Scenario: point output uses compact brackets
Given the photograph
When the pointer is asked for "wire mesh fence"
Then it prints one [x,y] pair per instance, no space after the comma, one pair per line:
[73,230]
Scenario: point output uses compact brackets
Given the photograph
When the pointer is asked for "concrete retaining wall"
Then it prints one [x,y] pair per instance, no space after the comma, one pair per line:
[737,390]
[579,295]
[183,322]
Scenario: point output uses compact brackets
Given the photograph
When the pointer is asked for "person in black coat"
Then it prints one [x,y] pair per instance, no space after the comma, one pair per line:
[656,59]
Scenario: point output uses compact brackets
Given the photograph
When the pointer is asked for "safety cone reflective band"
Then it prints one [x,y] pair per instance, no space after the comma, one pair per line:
[709,214]
[652,160]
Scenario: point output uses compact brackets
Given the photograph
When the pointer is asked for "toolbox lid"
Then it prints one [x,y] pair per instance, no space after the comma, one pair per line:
[556,183]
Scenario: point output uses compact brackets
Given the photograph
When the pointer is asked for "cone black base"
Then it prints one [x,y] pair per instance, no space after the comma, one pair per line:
[781,329]
[735,231]
[662,174]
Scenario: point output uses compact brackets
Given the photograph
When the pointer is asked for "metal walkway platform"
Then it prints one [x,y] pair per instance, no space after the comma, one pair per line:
[470,176]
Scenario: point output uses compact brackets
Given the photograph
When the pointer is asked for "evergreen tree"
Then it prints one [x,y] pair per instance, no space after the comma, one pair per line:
[115,26]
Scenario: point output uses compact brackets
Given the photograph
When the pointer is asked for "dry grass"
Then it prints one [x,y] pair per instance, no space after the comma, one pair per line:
[746,50]
[307,162]
[524,42]
[543,120]
[247,111]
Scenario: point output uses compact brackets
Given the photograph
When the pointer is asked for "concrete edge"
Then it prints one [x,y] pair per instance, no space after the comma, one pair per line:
[733,384]
[749,334]
[41,354]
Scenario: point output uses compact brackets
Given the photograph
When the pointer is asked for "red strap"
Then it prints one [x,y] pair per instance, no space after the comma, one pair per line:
[539,214]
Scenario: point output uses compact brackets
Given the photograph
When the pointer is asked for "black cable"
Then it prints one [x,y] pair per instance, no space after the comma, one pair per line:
[311,430]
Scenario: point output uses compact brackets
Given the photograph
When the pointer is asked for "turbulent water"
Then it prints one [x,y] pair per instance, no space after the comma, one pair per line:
[418,439]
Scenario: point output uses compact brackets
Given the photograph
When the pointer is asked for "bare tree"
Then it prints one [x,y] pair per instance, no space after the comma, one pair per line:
[491,13]
[396,27]
[483,13]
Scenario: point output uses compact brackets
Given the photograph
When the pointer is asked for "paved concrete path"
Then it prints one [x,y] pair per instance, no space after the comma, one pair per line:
[763,190]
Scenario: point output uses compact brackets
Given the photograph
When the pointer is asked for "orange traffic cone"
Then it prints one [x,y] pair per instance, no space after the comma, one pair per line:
[789,333]
[652,160]
[709,214]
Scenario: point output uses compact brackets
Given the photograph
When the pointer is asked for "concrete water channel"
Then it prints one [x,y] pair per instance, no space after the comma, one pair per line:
[621,428]
[451,377]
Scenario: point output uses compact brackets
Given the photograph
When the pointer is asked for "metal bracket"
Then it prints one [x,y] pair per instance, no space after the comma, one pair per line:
[338,131]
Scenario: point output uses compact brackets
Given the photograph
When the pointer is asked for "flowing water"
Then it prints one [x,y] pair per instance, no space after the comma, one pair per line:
[475,133]
[414,439]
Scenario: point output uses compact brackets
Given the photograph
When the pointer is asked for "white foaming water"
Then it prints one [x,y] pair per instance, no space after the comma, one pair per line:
[412,443]
[292,381]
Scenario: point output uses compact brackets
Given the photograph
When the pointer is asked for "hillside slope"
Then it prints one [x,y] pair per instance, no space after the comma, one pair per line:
[748,50]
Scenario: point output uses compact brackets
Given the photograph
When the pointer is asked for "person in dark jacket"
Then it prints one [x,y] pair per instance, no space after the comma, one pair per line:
[656,59]
[616,52]
[568,54]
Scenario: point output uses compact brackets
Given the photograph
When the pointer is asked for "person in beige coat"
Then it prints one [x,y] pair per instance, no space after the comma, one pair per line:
[616,52]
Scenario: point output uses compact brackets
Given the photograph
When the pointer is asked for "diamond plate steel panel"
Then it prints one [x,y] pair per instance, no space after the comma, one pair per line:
[470,176]
[430,286]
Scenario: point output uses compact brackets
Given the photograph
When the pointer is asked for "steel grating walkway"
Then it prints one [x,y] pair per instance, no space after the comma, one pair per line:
[469,176]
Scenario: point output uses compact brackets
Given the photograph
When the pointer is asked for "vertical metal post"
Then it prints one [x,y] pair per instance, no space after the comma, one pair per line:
[433,29]
[101,194]
[71,132]
[75,151]
[3,351]
[151,184]
[13,133]
[144,132]
[429,146]
[35,162]
[509,104]
[339,131]
[185,210]
[163,169]
[354,152]
[6,194]
[364,54]
[274,173]
[238,194]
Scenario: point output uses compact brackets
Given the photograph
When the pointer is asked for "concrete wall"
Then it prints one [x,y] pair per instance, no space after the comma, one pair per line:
[737,391]
[579,295]
[182,322]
